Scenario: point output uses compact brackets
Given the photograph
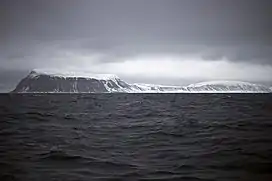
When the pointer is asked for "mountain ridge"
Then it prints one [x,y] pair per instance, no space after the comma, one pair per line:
[83,82]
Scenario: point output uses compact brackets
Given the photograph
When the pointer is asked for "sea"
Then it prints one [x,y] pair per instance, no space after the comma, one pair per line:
[194,137]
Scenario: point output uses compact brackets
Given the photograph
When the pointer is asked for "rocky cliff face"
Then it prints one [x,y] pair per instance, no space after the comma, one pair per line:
[52,82]
[48,83]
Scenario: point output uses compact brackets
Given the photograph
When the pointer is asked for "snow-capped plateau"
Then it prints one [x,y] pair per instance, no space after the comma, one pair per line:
[227,86]
[68,74]
[70,82]
[40,81]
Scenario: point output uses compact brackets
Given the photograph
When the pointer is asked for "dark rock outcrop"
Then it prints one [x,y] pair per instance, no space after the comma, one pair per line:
[37,82]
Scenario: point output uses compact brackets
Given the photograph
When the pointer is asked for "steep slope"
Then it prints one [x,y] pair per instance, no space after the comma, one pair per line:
[48,82]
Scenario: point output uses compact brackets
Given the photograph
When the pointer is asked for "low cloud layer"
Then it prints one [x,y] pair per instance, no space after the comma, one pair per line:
[174,42]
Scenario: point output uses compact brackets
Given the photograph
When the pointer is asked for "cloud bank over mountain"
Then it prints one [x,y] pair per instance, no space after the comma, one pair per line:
[176,41]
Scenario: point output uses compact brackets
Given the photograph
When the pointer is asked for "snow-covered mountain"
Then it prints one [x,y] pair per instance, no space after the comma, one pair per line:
[40,81]
[71,82]
[227,86]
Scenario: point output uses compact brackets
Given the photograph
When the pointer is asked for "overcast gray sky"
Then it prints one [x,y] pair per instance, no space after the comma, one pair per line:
[150,41]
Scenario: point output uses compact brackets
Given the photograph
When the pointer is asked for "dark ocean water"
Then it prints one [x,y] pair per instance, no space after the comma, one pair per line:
[136,137]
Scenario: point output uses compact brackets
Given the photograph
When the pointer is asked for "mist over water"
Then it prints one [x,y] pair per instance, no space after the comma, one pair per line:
[136,137]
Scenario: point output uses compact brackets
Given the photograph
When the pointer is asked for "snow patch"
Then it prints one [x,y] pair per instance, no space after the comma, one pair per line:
[225,83]
[74,74]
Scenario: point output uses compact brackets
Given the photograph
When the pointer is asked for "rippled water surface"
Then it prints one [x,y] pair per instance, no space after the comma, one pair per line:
[136,137]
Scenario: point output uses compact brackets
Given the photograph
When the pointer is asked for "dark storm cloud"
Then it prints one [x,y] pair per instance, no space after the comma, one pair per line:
[127,23]
[35,33]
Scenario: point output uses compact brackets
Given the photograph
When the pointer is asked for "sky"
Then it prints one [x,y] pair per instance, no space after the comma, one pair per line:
[173,42]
